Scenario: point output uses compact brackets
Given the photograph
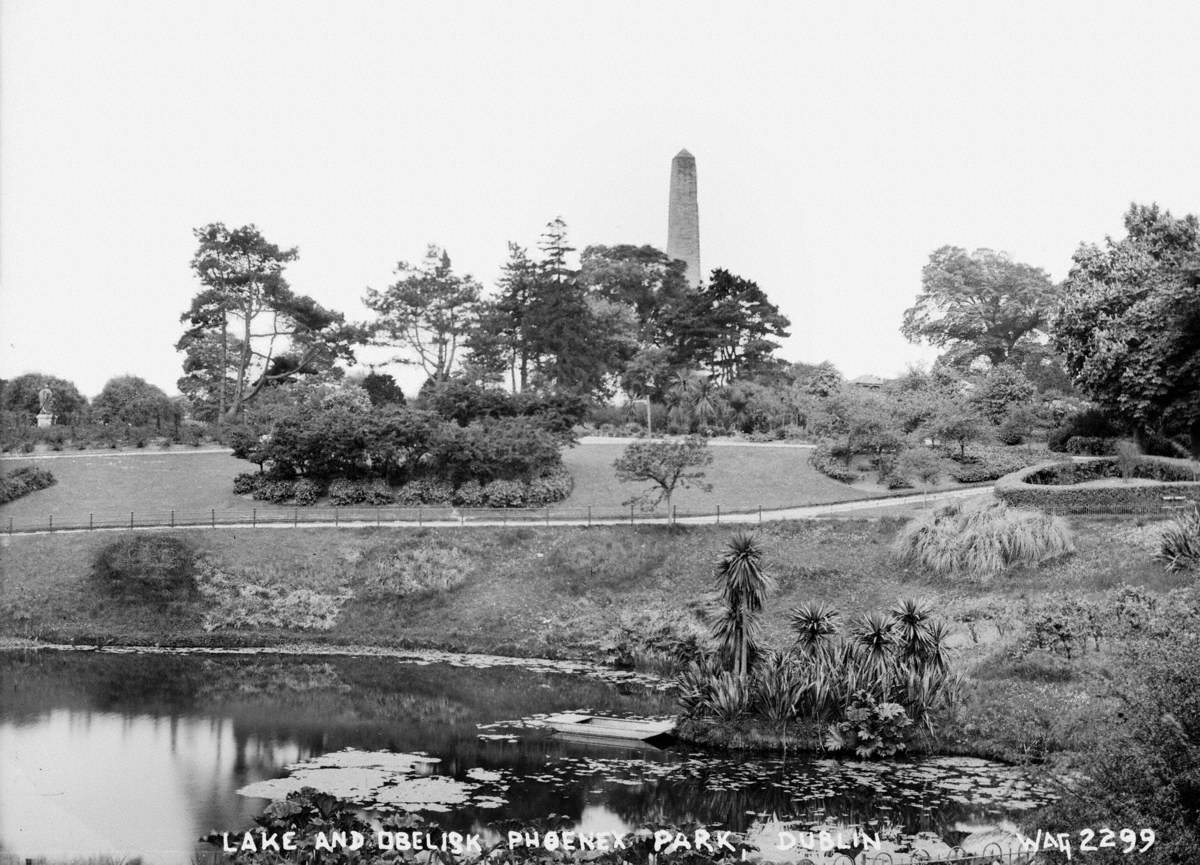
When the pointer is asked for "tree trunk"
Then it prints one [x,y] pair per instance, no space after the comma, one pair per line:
[224,368]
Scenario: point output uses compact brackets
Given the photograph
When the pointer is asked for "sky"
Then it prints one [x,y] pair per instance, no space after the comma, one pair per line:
[837,146]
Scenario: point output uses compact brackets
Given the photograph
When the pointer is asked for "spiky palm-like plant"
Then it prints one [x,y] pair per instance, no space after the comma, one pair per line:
[815,626]
[912,620]
[743,586]
[873,644]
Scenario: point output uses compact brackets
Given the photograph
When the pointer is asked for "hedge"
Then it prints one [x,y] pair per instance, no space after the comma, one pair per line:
[1034,487]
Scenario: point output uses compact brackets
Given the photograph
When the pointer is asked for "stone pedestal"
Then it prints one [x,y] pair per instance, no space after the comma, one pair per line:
[45,419]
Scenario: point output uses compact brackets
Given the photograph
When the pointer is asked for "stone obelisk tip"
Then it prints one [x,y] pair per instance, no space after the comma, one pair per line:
[683,216]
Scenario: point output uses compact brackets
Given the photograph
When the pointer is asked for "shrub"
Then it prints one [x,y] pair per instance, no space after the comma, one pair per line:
[549,488]
[982,542]
[247,482]
[469,495]
[1090,423]
[307,492]
[147,567]
[1012,431]
[425,491]
[506,494]
[344,492]
[1094,446]
[275,492]
[22,481]
[1180,544]
[870,729]
[989,467]
[824,460]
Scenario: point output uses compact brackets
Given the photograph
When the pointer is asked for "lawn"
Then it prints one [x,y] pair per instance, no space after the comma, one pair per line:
[151,485]
[742,478]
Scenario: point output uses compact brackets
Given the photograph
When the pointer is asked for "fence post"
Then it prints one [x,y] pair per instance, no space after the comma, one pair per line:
[631,515]
[718,515]
[91,518]
[589,516]
[760,515]
[213,516]
[419,512]
[335,516]
[131,519]
[295,517]
[172,518]
[674,511]
[377,518]
[254,518]
[52,522]
[10,525]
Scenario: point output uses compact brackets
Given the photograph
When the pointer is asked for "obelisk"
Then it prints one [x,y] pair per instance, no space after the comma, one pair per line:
[683,217]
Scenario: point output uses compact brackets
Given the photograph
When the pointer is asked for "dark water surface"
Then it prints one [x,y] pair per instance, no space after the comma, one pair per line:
[142,754]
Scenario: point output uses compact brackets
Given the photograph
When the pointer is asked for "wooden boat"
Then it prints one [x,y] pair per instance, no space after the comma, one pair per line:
[608,728]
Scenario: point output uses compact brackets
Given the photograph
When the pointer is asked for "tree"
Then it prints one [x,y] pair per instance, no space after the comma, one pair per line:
[955,422]
[922,465]
[980,304]
[731,327]
[131,400]
[668,465]
[429,309]
[382,389]
[546,330]
[21,395]
[742,586]
[244,289]
[1003,388]
[1129,323]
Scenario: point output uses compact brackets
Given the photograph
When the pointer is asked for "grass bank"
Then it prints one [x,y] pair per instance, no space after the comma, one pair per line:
[607,591]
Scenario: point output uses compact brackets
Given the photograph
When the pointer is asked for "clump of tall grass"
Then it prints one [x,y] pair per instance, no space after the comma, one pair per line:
[981,542]
[1179,544]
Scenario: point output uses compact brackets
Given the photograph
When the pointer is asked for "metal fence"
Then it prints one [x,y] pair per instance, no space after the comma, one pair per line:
[383,515]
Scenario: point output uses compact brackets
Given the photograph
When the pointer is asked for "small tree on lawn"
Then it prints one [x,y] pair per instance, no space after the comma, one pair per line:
[668,465]
[920,464]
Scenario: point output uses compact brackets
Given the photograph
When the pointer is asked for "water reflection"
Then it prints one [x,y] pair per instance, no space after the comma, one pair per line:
[141,754]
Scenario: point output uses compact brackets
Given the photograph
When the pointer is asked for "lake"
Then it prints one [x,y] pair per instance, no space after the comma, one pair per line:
[141,754]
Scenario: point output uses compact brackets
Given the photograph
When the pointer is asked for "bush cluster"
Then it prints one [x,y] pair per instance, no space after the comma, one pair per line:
[22,481]
[987,466]
[1086,424]
[156,568]
[828,462]
[545,489]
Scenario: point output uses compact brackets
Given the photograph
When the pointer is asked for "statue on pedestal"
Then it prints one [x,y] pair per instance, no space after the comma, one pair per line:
[46,411]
